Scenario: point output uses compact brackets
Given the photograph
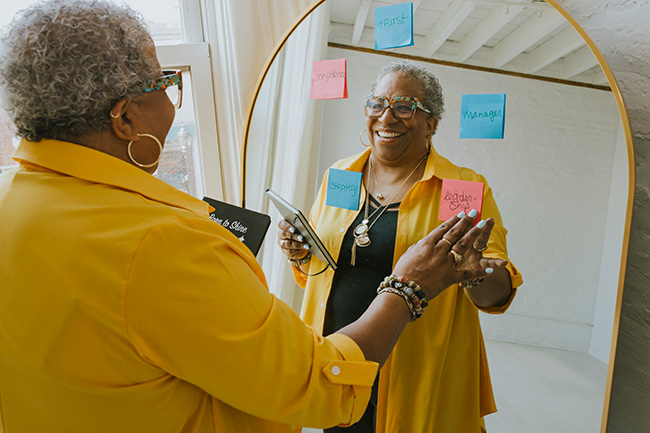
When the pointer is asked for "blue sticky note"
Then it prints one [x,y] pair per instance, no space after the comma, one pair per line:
[394,26]
[343,189]
[482,116]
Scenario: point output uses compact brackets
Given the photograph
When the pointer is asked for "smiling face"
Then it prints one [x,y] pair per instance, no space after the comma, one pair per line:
[397,141]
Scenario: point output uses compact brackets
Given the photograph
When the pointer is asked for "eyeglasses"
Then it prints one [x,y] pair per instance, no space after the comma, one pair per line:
[403,106]
[172,83]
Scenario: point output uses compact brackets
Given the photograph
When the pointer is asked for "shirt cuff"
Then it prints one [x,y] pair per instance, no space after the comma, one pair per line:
[515,281]
[354,370]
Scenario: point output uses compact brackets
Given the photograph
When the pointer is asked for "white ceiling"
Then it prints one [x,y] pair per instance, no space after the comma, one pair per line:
[525,36]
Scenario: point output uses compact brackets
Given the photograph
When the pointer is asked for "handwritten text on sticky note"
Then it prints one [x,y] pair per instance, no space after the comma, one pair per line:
[329,79]
[394,26]
[343,188]
[482,116]
[460,195]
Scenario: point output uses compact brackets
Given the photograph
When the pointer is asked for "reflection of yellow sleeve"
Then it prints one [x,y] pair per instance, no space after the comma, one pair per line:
[497,247]
[198,307]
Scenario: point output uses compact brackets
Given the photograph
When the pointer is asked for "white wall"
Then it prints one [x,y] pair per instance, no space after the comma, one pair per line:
[601,335]
[551,175]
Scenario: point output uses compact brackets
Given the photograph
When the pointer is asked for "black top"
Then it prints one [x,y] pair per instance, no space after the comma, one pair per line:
[355,287]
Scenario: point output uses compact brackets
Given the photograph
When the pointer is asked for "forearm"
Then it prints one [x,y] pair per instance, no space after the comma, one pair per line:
[493,291]
[378,329]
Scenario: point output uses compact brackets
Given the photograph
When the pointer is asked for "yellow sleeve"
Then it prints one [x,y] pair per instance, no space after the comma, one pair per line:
[497,247]
[197,306]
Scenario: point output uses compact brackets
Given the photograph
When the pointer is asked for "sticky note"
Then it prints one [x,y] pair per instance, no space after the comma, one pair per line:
[482,116]
[460,195]
[329,79]
[343,188]
[394,26]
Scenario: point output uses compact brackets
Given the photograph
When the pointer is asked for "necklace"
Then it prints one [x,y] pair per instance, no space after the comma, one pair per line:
[361,236]
[379,195]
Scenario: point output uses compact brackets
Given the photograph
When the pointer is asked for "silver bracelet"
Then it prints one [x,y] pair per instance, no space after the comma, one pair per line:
[471,283]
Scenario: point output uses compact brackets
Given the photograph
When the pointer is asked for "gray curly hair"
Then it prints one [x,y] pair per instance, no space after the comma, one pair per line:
[433,98]
[65,63]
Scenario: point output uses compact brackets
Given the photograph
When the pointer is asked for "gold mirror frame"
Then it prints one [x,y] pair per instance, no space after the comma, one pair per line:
[616,91]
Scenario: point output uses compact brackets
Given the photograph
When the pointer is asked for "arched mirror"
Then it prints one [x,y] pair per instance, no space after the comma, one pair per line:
[560,177]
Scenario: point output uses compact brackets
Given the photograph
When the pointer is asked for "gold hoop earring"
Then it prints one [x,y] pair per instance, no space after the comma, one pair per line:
[361,141]
[114,116]
[128,150]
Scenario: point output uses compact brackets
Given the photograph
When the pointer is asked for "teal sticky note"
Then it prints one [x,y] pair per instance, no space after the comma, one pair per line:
[482,116]
[394,26]
[343,189]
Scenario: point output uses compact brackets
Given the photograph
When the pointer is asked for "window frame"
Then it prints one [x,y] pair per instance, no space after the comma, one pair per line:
[193,55]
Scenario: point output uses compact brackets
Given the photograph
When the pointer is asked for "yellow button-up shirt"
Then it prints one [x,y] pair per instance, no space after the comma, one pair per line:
[437,378]
[123,308]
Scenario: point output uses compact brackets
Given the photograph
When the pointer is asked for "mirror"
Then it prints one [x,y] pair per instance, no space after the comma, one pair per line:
[560,178]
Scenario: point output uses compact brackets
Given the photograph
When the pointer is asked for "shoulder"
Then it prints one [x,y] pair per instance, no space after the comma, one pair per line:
[444,168]
[350,162]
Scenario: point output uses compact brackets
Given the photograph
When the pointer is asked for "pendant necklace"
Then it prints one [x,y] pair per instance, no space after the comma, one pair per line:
[379,195]
[361,236]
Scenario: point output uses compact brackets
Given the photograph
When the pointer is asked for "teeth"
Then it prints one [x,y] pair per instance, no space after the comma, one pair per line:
[384,134]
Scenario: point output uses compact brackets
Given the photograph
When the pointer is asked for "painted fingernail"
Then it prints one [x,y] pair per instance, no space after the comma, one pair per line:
[300,238]
[291,230]
[460,215]
[472,213]
[481,224]
[305,247]
[489,270]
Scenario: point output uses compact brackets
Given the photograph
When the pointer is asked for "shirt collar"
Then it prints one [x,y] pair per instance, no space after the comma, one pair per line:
[99,167]
[437,166]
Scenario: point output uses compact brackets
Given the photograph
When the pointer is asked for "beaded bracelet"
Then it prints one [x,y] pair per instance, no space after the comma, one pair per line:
[409,290]
[298,262]
[409,304]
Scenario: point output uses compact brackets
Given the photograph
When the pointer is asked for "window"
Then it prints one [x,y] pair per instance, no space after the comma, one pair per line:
[176,27]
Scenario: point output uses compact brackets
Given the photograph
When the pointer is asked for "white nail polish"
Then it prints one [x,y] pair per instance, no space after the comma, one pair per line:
[481,224]
[300,238]
[291,230]
[489,270]
[305,247]
[460,215]
[472,213]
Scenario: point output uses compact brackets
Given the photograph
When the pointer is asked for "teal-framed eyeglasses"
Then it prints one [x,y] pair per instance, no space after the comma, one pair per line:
[403,106]
[171,82]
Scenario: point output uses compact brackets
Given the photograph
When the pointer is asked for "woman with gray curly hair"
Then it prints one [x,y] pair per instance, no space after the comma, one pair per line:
[123,307]
[438,369]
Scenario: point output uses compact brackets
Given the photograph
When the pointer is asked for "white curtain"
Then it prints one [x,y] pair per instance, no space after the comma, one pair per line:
[283,144]
[242,35]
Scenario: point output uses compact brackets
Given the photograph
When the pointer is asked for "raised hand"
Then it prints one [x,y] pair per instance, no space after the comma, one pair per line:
[438,260]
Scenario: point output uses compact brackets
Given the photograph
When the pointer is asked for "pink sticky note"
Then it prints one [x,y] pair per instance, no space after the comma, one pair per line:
[460,195]
[329,79]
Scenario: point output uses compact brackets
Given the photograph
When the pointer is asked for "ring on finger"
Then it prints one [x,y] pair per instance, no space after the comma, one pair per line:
[447,240]
[457,257]
[480,250]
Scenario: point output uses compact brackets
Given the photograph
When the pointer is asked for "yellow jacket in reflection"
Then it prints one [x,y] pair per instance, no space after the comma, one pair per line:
[437,378]
[124,308]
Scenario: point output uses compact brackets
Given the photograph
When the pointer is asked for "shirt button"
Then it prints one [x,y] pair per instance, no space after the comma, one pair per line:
[322,305]
[336,370]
